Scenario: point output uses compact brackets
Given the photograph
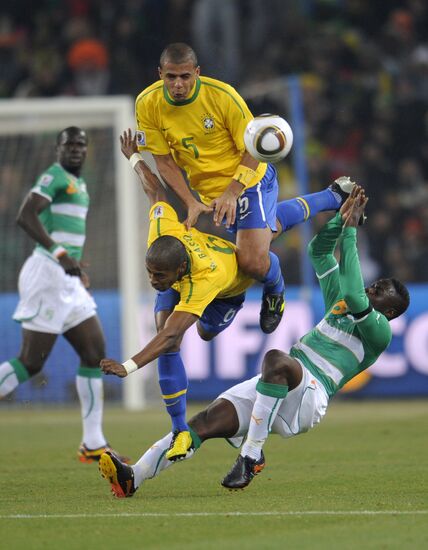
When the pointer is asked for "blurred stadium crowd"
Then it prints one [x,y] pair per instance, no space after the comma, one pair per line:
[363,68]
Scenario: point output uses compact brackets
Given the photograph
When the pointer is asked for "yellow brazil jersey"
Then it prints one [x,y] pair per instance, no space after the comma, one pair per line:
[204,133]
[213,269]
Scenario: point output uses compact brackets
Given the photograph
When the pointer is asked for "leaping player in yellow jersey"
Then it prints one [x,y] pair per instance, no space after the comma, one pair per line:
[196,124]
[198,281]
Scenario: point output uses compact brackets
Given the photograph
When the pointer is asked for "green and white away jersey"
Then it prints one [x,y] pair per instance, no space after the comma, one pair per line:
[350,337]
[65,218]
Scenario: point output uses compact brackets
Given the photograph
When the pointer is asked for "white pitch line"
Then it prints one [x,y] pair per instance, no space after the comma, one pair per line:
[219,514]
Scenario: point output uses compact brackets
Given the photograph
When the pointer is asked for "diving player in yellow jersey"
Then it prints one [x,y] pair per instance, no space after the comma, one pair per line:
[196,124]
[198,281]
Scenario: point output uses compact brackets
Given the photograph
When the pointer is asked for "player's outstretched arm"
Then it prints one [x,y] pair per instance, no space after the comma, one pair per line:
[166,340]
[150,182]
[351,279]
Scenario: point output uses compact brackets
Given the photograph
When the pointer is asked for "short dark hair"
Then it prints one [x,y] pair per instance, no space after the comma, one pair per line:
[403,297]
[70,130]
[178,53]
[167,252]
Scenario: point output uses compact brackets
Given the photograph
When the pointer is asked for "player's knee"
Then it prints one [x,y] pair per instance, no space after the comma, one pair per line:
[204,335]
[275,368]
[253,263]
[93,356]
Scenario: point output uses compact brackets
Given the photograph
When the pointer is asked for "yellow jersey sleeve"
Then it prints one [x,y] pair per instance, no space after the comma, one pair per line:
[195,296]
[149,129]
[163,221]
[236,116]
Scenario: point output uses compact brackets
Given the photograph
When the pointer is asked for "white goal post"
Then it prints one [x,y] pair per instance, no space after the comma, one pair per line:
[38,116]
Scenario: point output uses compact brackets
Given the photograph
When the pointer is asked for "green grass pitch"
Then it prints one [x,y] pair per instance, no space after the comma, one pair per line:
[358,480]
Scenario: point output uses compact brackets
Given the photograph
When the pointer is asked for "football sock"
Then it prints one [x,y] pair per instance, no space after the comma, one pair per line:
[153,461]
[89,386]
[12,373]
[268,401]
[173,384]
[273,283]
[300,209]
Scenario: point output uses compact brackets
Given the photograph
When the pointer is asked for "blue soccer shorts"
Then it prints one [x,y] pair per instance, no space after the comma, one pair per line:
[256,208]
[217,316]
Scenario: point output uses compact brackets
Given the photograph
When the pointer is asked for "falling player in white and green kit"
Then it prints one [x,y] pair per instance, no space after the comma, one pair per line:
[292,393]
[52,287]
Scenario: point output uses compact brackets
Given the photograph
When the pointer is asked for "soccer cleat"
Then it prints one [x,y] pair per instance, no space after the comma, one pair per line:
[243,471]
[181,444]
[342,186]
[93,455]
[119,475]
[271,312]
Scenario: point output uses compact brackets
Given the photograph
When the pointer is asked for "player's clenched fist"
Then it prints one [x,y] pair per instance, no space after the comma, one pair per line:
[110,366]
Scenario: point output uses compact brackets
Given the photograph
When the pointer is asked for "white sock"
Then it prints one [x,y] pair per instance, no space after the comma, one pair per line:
[264,412]
[153,461]
[90,391]
[8,379]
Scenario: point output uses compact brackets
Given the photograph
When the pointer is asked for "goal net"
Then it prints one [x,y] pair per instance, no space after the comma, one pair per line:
[115,244]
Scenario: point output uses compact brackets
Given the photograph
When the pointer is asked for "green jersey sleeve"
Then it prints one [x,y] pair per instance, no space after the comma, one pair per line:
[321,252]
[50,183]
[373,326]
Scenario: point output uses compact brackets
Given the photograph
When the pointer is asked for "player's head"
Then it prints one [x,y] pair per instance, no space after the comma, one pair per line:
[388,296]
[179,69]
[71,148]
[166,262]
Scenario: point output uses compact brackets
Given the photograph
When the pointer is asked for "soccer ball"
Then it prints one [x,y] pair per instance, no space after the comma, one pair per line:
[268,138]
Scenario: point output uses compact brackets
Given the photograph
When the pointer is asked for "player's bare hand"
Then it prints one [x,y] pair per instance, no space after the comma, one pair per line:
[194,211]
[128,143]
[225,208]
[110,366]
[354,206]
[70,265]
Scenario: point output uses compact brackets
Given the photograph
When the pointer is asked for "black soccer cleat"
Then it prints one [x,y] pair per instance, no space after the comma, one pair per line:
[343,186]
[243,471]
[271,312]
[118,474]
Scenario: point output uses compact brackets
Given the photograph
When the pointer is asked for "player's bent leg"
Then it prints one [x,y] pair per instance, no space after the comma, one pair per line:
[35,349]
[279,372]
[256,260]
[87,339]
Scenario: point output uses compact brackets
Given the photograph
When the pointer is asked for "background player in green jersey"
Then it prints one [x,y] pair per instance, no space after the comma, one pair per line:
[52,287]
[292,393]
[196,124]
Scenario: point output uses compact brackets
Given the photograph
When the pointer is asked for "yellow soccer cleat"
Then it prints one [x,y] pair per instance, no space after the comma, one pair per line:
[181,444]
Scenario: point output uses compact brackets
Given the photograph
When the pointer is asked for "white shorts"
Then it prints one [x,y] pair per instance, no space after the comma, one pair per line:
[303,407]
[50,300]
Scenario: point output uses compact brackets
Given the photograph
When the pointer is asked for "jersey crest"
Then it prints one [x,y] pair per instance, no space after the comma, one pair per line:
[72,188]
[339,308]
[208,122]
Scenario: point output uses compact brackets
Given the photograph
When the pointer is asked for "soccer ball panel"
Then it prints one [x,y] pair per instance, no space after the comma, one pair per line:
[268,138]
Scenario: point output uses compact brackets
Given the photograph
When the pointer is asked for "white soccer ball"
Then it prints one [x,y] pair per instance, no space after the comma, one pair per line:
[268,138]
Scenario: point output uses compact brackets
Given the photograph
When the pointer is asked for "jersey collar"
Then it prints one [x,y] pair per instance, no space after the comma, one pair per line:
[193,95]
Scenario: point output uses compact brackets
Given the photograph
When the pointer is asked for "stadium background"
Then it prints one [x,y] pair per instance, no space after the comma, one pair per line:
[352,78]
